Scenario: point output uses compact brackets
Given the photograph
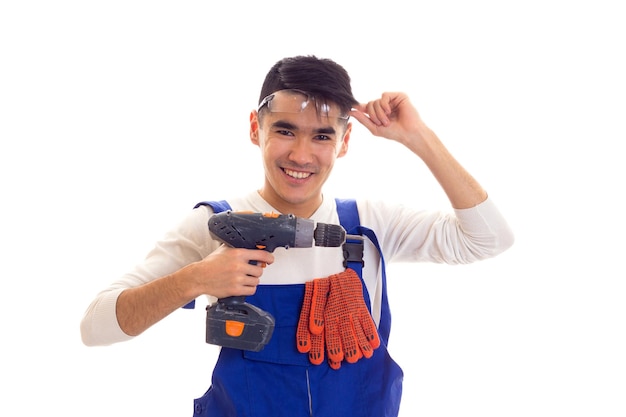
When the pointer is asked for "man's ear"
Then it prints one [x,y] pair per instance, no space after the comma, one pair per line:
[254,127]
[344,143]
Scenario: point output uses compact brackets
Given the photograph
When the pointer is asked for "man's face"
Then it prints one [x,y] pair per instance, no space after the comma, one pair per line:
[299,146]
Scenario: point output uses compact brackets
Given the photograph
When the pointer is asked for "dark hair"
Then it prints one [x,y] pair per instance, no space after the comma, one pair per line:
[322,78]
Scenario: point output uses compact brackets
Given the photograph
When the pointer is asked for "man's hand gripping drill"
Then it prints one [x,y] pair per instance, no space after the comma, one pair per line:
[232,322]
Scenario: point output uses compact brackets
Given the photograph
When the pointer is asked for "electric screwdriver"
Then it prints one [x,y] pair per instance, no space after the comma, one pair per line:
[232,322]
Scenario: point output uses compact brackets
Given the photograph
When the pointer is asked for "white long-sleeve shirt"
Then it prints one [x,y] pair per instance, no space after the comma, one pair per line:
[404,234]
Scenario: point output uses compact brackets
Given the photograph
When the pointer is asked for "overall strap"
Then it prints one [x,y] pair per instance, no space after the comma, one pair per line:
[217,206]
[349,219]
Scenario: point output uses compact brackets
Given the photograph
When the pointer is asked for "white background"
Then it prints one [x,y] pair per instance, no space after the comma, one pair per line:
[117,117]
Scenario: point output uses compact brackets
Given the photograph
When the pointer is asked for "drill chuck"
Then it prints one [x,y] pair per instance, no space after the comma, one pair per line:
[329,235]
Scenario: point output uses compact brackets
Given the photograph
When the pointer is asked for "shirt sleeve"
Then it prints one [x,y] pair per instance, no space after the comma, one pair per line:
[188,242]
[459,236]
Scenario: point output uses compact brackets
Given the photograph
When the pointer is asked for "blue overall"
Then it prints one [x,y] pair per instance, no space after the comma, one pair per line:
[279,381]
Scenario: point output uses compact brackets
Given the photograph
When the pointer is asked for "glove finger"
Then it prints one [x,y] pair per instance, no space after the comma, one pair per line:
[363,340]
[349,341]
[369,329]
[332,315]
[303,336]
[318,305]
[316,354]
[333,342]
[334,365]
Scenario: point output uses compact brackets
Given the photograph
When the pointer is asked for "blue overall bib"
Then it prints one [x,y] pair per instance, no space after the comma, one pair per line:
[279,381]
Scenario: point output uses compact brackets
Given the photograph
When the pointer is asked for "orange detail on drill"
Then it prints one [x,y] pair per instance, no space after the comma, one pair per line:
[234,328]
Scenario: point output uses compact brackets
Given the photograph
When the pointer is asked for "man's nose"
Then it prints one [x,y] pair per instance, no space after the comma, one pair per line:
[301,151]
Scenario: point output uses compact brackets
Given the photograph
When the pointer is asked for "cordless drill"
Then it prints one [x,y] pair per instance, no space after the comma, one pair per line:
[232,322]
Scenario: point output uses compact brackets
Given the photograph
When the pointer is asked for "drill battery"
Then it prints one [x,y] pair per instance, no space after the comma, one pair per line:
[238,325]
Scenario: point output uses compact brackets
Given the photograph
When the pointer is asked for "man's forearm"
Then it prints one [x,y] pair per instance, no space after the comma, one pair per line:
[462,189]
[139,308]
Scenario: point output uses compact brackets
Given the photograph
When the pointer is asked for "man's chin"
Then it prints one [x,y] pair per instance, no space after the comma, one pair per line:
[299,199]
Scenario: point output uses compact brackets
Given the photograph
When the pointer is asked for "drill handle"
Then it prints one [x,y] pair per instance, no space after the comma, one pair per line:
[235,299]
[232,300]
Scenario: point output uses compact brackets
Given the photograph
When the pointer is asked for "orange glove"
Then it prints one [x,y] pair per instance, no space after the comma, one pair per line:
[350,331]
[310,334]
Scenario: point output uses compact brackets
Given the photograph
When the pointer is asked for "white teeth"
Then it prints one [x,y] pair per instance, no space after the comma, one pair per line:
[297,174]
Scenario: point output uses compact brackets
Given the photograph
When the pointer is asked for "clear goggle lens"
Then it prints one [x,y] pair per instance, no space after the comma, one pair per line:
[297,101]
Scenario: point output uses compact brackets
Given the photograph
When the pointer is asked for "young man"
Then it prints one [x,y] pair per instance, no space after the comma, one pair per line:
[326,357]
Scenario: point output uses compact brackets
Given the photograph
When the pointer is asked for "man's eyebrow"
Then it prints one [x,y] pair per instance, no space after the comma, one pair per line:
[282,124]
[326,130]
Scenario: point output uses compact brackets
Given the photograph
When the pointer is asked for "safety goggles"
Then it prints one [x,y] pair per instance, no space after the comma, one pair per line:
[297,101]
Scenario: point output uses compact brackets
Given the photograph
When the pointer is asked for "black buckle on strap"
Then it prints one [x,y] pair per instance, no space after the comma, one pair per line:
[353,250]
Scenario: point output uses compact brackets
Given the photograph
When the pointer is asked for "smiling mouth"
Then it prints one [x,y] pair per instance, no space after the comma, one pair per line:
[297,174]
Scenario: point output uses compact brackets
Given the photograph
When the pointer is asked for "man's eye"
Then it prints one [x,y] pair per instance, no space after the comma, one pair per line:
[323,137]
[284,132]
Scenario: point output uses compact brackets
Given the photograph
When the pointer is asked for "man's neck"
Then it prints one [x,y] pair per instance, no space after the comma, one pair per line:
[304,210]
